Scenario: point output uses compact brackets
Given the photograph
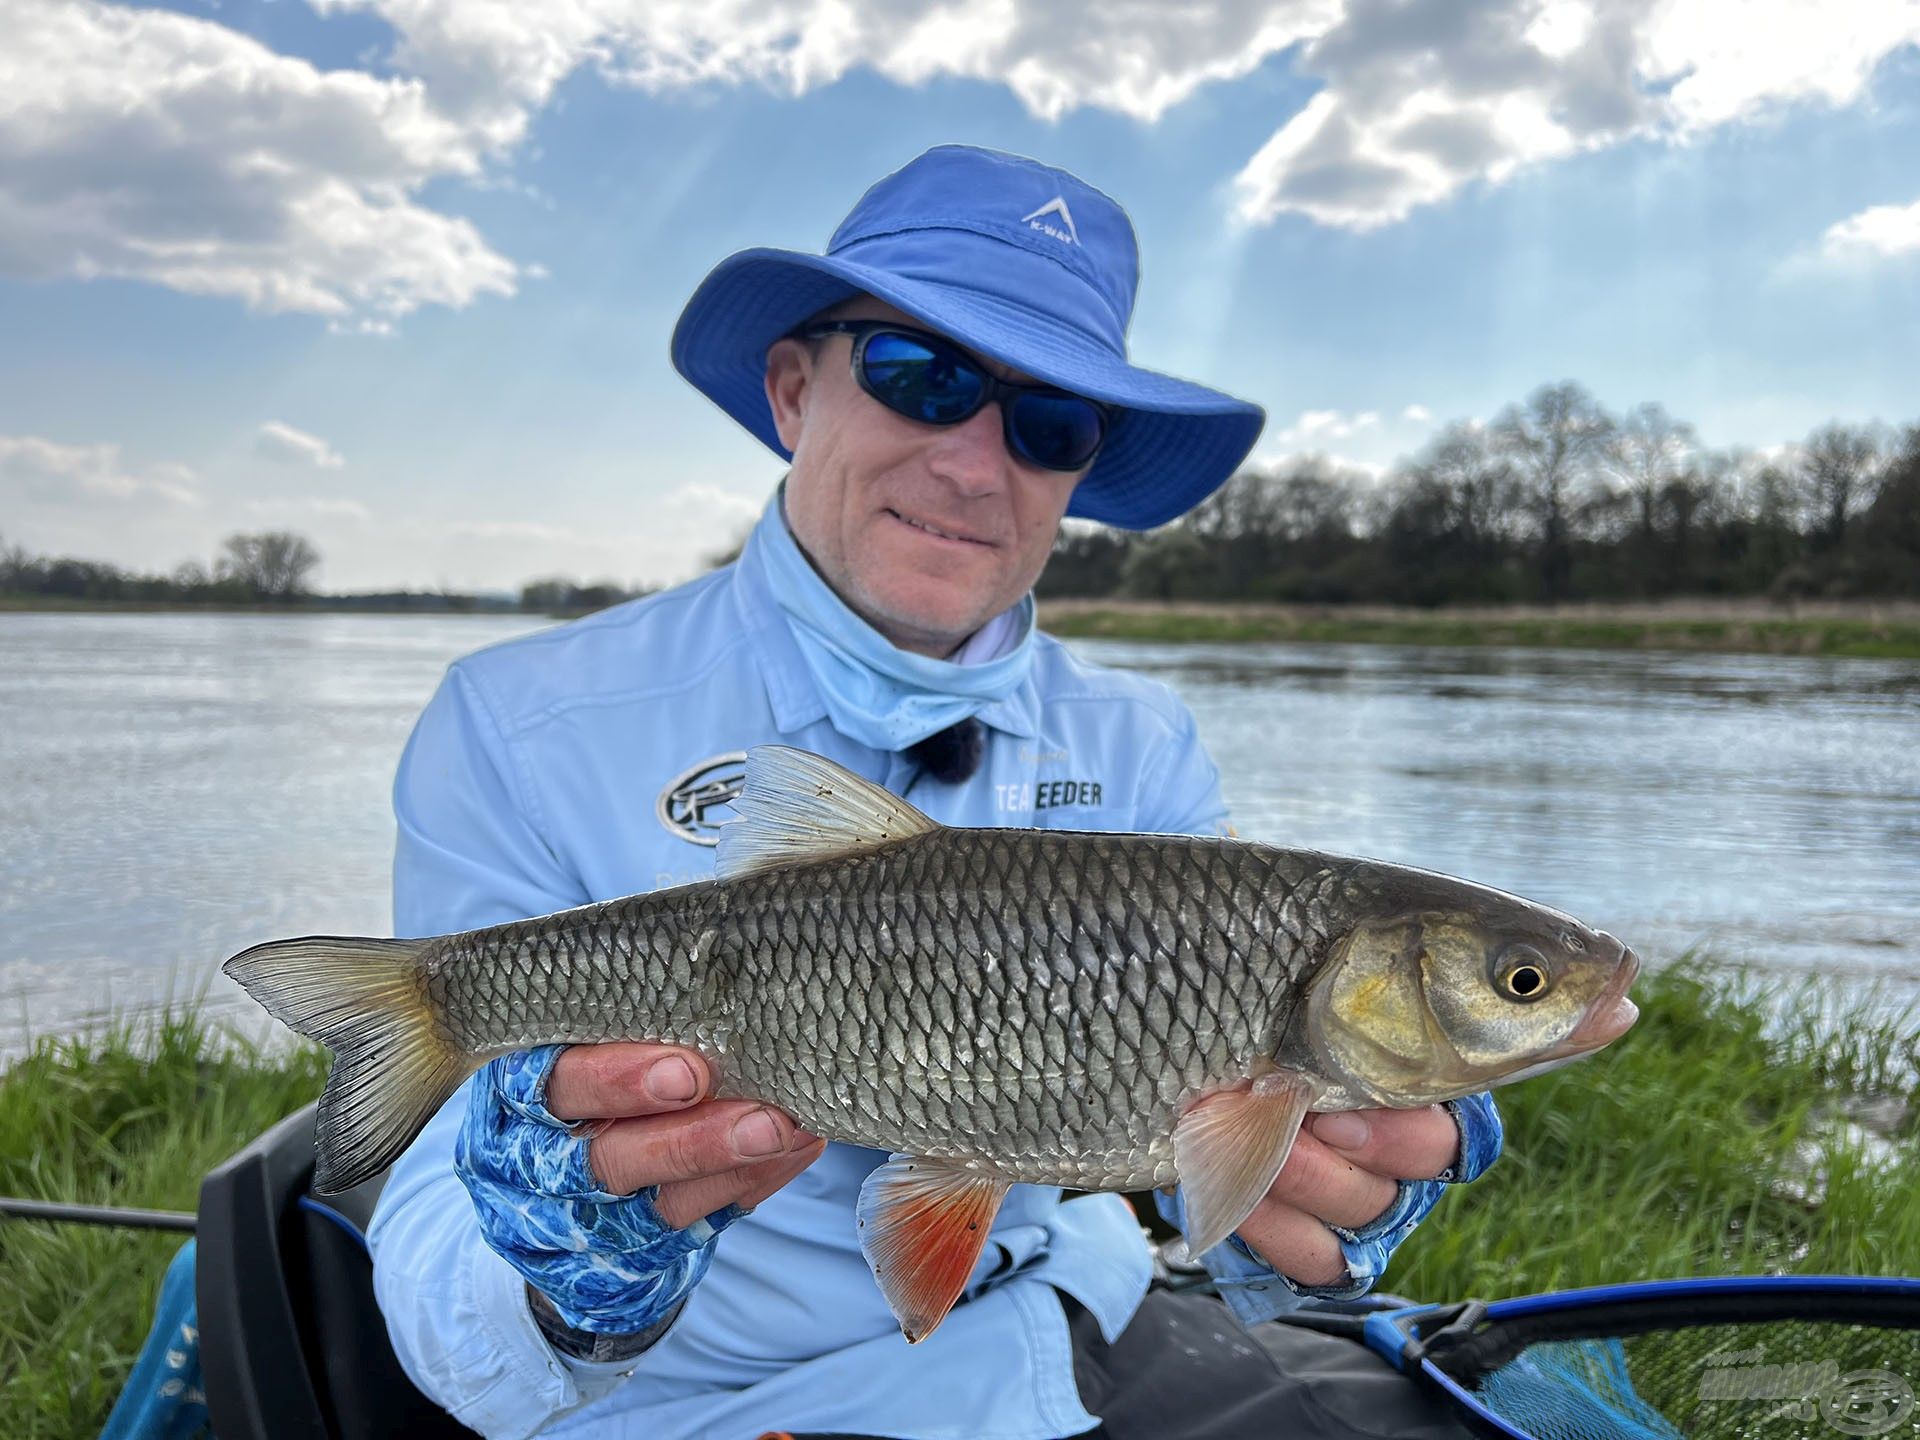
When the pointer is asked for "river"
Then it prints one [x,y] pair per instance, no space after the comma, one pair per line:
[174,787]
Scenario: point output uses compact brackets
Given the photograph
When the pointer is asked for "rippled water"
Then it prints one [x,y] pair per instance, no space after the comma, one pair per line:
[174,787]
[1766,809]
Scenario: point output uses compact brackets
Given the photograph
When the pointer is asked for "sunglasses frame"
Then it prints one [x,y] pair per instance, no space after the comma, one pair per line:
[992,386]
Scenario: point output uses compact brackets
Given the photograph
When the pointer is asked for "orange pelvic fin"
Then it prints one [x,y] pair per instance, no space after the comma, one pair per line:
[1229,1148]
[922,1223]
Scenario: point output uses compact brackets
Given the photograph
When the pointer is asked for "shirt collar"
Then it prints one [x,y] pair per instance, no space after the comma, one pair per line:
[792,694]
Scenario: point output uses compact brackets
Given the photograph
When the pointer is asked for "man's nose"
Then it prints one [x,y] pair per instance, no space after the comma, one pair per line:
[972,456]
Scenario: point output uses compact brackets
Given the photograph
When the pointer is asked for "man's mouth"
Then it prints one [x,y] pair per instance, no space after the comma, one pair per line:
[940,532]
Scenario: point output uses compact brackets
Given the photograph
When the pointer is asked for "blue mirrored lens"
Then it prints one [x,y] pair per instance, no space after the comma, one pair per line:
[1058,432]
[921,383]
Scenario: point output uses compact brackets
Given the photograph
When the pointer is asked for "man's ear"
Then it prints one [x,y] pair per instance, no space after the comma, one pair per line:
[789,375]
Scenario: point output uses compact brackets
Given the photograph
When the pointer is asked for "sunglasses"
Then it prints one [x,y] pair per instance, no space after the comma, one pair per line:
[925,378]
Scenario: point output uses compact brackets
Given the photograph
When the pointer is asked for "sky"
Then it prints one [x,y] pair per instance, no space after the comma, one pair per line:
[400,274]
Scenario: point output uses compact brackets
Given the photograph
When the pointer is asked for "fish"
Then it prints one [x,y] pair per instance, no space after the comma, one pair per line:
[990,1007]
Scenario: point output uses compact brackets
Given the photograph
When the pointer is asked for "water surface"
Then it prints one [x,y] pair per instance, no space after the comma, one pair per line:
[174,787]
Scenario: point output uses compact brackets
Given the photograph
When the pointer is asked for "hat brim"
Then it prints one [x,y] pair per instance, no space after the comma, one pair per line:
[1171,444]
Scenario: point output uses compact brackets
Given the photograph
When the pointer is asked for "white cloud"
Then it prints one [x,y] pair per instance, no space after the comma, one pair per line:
[277,440]
[49,471]
[678,533]
[311,508]
[1777,52]
[1417,415]
[1560,27]
[516,530]
[1423,98]
[494,61]
[168,148]
[161,147]
[1317,428]
[707,512]
[1418,97]
[1340,466]
[1874,233]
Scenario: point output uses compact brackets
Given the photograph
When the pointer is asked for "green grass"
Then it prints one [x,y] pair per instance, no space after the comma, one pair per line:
[1722,1135]
[134,1115]
[1867,636]
[1712,1140]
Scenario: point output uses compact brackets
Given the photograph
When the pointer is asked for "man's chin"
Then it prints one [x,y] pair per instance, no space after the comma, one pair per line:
[926,620]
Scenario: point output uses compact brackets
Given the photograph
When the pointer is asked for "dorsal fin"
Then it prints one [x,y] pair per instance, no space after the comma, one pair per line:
[799,806]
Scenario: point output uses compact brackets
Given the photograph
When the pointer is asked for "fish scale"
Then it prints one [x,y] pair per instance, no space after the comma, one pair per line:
[995,1006]
[1048,1043]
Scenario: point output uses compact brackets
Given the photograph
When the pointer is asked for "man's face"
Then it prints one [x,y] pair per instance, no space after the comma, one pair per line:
[926,531]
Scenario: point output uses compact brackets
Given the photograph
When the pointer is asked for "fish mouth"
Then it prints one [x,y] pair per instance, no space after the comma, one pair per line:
[1610,1015]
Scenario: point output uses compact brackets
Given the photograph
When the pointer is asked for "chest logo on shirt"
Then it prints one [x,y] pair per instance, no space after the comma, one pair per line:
[1047,795]
[689,804]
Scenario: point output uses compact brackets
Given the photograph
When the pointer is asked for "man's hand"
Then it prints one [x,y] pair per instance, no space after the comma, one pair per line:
[653,1125]
[581,1219]
[1344,1170]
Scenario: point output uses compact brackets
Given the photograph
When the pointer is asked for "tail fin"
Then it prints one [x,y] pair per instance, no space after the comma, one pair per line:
[393,1065]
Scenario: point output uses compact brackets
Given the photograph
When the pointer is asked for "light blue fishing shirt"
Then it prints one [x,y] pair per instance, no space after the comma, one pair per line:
[588,762]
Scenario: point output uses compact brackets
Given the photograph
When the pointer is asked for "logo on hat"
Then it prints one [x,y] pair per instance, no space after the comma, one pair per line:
[1056,206]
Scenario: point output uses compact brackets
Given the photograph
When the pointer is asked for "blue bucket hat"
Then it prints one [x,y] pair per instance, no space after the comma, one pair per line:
[1014,260]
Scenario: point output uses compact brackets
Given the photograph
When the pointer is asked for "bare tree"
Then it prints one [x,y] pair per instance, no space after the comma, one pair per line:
[1693,504]
[1838,467]
[1482,496]
[1648,452]
[1893,520]
[15,566]
[273,564]
[1312,500]
[1239,526]
[1555,441]
[1164,565]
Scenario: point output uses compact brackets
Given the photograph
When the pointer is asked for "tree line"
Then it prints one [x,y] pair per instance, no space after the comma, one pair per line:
[271,566]
[1555,500]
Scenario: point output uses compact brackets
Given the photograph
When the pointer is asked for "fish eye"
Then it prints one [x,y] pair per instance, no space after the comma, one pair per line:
[1523,974]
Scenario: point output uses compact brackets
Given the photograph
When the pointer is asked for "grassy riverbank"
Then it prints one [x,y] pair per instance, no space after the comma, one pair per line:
[427,604]
[1871,631]
[1889,631]
[133,1116]
[1712,1140]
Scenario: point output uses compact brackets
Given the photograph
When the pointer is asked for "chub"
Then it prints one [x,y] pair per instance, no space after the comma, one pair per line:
[992,1006]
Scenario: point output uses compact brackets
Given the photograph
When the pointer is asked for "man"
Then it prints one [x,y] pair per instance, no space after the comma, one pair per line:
[582,1242]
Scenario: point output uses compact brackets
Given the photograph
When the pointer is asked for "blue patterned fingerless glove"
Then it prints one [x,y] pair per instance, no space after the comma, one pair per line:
[608,1263]
[1255,1291]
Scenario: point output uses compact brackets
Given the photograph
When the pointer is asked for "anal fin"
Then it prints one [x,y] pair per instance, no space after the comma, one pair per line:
[922,1224]
[1229,1149]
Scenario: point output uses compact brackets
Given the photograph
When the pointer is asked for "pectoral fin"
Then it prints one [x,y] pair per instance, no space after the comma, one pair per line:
[1228,1150]
[922,1223]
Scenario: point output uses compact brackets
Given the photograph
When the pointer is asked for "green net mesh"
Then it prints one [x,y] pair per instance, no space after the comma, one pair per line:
[1779,1380]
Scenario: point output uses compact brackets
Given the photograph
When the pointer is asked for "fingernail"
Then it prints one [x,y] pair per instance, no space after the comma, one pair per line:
[757,1134]
[1342,1130]
[672,1080]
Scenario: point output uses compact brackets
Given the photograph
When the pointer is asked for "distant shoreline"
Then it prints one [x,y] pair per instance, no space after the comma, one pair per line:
[62,605]
[1857,629]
